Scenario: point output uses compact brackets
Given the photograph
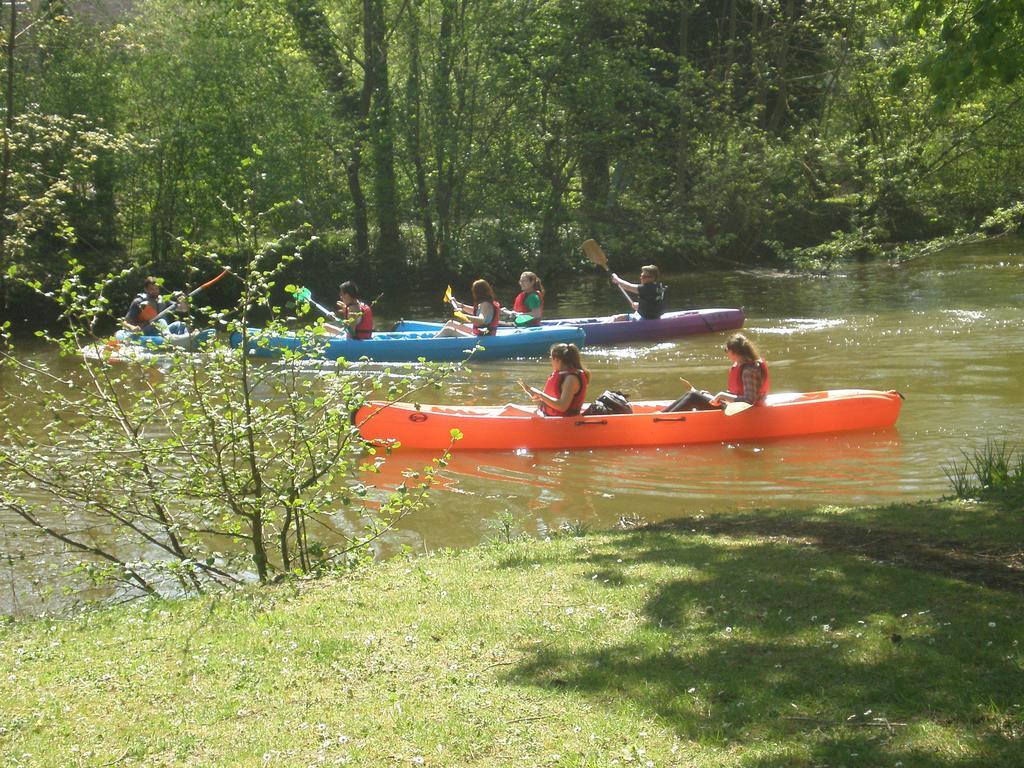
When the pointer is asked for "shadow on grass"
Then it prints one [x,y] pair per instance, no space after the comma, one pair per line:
[798,637]
[996,566]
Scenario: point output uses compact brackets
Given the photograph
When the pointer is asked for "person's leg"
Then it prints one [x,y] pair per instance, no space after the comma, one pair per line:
[694,400]
[451,328]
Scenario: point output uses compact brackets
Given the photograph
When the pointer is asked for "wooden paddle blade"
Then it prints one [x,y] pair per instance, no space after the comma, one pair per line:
[595,253]
[736,407]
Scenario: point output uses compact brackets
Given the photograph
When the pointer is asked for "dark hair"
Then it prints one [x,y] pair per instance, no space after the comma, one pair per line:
[150,280]
[741,345]
[569,355]
[350,288]
[482,291]
[538,286]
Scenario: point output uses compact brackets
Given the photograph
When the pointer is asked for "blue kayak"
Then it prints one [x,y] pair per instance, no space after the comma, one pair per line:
[608,330]
[411,346]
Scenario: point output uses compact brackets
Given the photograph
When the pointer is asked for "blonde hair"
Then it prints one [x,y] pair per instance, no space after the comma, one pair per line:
[650,271]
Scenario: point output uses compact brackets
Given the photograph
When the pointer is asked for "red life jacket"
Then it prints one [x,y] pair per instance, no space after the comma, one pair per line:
[736,380]
[520,307]
[364,328]
[553,387]
[147,312]
[492,326]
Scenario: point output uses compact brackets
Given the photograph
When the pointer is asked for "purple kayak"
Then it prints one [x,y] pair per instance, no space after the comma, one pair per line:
[606,330]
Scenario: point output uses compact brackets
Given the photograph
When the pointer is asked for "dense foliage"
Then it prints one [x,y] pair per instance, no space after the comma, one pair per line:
[435,137]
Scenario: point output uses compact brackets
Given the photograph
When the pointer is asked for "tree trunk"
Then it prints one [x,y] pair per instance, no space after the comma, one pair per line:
[683,137]
[381,137]
[5,171]
[317,42]
[441,105]
[780,109]
[414,138]
[594,182]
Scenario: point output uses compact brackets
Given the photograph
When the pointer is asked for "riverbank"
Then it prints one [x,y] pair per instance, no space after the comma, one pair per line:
[878,636]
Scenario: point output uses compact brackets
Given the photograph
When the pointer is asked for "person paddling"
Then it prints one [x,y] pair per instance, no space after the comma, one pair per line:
[566,387]
[481,319]
[748,380]
[147,306]
[356,315]
[528,308]
[649,291]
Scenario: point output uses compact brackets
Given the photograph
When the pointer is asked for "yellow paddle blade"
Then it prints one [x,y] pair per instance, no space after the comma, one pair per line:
[459,316]
[447,295]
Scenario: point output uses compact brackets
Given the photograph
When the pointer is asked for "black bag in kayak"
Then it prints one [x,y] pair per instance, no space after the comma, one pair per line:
[607,403]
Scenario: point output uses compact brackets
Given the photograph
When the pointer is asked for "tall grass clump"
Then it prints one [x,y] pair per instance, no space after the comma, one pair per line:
[995,470]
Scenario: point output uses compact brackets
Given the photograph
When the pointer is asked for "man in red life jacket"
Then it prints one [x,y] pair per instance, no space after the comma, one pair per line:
[147,305]
[356,316]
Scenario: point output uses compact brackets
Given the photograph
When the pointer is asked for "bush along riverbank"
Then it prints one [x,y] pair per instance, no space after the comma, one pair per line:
[833,636]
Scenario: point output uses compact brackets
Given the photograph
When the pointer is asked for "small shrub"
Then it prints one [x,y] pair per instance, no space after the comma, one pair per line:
[995,470]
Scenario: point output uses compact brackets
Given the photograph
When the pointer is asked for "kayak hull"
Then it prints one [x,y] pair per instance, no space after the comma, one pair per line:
[409,347]
[134,347]
[512,427]
[607,330]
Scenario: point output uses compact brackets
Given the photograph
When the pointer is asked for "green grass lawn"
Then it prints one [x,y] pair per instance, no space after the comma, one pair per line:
[832,637]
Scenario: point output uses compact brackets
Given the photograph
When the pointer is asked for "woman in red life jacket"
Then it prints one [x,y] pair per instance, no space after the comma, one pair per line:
[356,316]
[748,380]
[566,387]
[528,308]
[482,318]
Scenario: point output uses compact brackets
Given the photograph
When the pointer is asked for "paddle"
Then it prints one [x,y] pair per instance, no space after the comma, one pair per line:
[736,406]
[304,294]
[202,287]
[448,300]
[597,255]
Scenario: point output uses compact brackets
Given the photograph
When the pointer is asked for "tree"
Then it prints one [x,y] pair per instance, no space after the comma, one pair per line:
[212,470]
[982,44]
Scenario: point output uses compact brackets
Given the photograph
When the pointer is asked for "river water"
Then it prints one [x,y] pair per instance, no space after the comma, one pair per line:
[943,329]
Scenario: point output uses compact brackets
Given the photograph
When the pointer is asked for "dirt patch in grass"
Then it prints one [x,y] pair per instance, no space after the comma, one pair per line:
[990,565]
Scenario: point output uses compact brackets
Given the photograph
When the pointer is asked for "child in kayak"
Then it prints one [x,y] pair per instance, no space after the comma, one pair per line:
[356,316]
[566,387]
[748,380]
[482,318]
[649,292]
[528,308]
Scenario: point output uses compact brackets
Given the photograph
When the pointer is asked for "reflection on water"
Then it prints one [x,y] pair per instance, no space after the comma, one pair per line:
[945,330]
[546,489]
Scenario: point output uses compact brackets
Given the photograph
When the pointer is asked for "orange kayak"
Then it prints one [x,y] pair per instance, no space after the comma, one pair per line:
[508,427]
